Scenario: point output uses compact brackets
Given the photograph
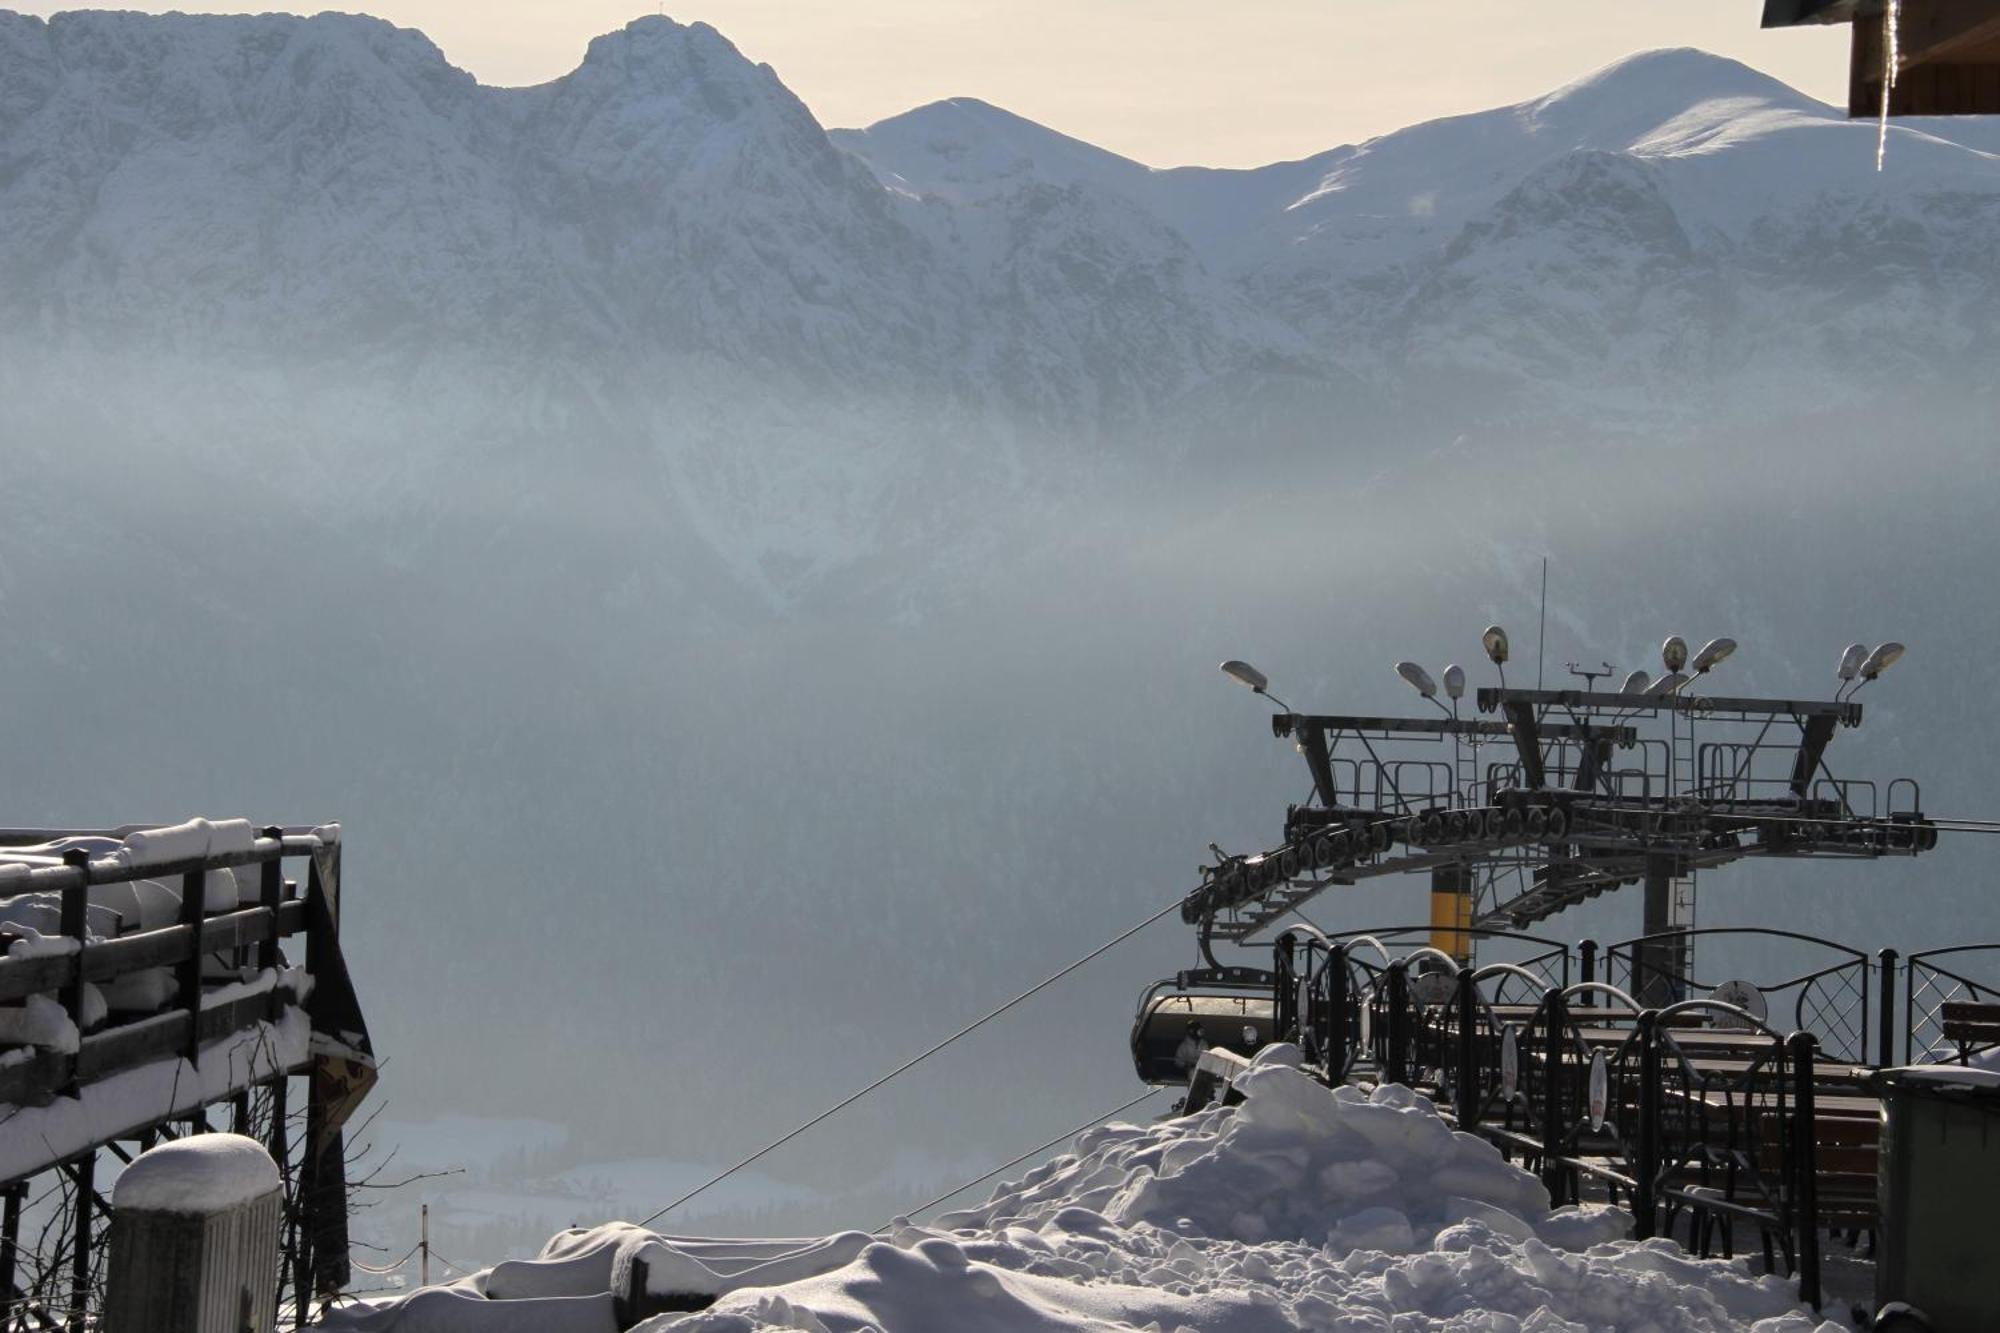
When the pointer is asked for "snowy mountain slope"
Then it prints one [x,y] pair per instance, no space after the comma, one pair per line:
[298,186]
[657,270]
[331,191]
[333,179]
[965,150]
[1586,249]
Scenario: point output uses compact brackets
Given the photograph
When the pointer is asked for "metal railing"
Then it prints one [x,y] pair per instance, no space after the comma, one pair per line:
[1930,984]
[1831,1001]
[1694,1114]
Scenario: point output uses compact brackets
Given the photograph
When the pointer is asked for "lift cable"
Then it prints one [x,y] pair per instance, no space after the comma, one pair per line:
[914,1061]
[459,1269]
[1953,825]
[388,1268]
[1039,1148]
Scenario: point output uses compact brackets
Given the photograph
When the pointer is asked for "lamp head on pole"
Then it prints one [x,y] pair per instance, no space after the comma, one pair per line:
[1418,678]
[1249,675]
[1881,660]
[1712,652]
[1668,683]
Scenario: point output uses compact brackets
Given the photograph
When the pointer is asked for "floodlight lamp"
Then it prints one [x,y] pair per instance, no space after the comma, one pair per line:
[1851,659]
[1674,652]
[1249,675]
[1881,660]
[1668,683]
[1636,683]
[1713,652]
[1454,681]
[1419,679]
[1495,642]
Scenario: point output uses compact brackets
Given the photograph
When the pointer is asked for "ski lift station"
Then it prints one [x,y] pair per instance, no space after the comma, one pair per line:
[1738,1113]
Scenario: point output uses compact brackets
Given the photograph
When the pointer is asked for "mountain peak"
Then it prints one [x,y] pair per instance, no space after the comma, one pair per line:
[672,79]
[87,36]
[1643,89]
[962,147]
[655,37]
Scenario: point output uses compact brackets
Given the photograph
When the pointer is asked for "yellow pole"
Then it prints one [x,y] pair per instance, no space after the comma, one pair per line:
[1451,912]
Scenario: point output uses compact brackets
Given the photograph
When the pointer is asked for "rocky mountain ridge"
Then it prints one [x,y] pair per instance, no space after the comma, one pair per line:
[331,192]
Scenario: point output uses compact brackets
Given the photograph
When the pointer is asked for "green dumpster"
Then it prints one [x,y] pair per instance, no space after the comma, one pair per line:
[1939,1176]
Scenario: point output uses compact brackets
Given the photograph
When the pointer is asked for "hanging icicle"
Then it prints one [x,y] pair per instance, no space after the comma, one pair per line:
[1892,57]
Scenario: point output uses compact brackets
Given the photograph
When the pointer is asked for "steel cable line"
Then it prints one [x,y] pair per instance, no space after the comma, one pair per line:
[1066,1134]
[916,1060]
[385,1271]
[459,1269]
[1963,826]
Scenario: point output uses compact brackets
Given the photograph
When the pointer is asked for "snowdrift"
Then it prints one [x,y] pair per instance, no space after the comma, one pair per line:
[1299,1209]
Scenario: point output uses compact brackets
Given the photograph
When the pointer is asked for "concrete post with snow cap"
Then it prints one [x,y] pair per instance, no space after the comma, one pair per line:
[194,1239]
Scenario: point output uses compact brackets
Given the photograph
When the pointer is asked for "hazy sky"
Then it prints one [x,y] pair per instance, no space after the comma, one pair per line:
[1226,82]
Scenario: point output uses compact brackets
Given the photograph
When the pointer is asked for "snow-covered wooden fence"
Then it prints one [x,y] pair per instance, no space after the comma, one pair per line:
[153,980]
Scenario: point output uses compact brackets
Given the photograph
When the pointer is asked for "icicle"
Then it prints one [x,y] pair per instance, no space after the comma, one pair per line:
[1892,57]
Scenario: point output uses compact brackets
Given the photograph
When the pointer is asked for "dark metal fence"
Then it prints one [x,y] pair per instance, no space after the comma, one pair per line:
[1960,975]
[1830,1000]
[1738,1123]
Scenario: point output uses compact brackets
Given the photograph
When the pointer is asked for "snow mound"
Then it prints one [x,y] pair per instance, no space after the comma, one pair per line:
[1299,1209]
[206,1173]
[1295,1162]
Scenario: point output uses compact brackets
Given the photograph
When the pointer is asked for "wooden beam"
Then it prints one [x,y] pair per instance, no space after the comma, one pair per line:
[1932,31]
[1948,61]
[105,959]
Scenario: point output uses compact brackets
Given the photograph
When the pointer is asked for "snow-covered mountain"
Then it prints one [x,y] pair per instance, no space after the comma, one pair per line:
[333,186]
[1672,214]
[331,190]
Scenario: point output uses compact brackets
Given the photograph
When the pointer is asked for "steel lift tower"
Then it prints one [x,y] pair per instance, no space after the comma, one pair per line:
[1546,798]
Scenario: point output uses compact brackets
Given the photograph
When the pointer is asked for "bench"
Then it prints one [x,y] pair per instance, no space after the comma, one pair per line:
[1970,1025]
[1847,1152]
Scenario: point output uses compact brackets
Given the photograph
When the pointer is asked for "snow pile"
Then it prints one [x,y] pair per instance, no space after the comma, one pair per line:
[205,1173]
[1295,1162]
[1300,1209]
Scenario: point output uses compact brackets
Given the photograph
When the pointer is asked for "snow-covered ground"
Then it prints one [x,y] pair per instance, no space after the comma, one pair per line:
[1302,1208]
[497,1188]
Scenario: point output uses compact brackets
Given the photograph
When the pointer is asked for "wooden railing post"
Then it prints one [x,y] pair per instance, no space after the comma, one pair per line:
[1646,1169]
[84,1174]
[75,922]
[1805,1165]
[279,1146]
[10,1239]
[271,897]
[194,889]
